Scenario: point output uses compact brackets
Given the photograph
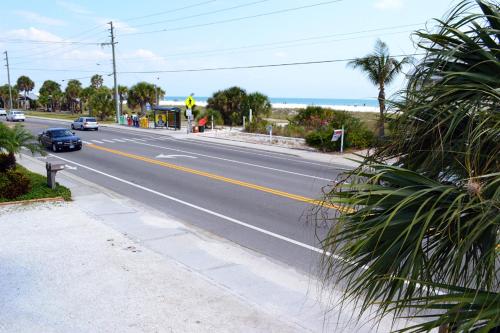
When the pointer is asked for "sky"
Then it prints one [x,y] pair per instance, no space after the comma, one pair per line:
[61,40]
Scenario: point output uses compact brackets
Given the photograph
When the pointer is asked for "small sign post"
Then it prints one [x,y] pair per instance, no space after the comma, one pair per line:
[270,130]
[190,103]
[339,134]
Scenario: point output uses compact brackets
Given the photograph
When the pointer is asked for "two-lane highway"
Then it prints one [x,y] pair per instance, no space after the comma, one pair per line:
[255,198]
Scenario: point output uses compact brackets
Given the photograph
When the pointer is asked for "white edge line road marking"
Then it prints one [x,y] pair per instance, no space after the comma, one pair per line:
[224,217]
[238,162]
[174,156]
[86,142]
[119,140]
[96,141]
[106,140]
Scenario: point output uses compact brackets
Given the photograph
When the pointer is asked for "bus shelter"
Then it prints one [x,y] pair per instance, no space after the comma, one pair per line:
[167,117]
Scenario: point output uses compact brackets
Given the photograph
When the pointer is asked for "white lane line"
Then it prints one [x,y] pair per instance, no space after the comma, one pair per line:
[237,162]
[119,140]
[252,151]
[86,142]
[211,212]
[96,141]
[106,140]
[131,140]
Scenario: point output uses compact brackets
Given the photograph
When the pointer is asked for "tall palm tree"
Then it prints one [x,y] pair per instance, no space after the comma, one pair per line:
[123,95]
[51,91]
[25,84]
[96,81]
[140,94]
[12,140]
[73,91]
[421,220]
[381,70]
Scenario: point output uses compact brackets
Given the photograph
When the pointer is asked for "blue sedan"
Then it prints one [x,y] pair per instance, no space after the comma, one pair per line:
[60,139]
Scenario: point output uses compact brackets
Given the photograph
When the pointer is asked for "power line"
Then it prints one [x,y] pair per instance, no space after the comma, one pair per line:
[235,19]
[170,11]
[219,68]
[255,66]
[34,41]
[202,14]
[223,51]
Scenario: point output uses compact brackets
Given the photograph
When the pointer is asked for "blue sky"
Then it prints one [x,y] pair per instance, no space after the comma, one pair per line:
[327,31]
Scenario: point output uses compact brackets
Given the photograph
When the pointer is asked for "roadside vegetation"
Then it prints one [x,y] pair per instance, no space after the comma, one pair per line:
[17,183]
[419,235]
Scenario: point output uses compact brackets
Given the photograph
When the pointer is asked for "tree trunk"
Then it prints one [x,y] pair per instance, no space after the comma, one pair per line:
[25,100]
[381,103]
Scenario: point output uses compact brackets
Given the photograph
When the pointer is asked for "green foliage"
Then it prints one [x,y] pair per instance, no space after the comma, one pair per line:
[313,117]
[228,102]
[208,113]
[51,93]
[5,96]
[26,85]
[96,81]
[13,184]
[381,69]
[259,103]
[7,162]
[140,94]
[102,103]
[73,91]
[12,140]
[39,188]
[420,220]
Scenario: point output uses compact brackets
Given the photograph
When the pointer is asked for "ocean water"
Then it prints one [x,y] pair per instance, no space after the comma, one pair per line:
[305,101]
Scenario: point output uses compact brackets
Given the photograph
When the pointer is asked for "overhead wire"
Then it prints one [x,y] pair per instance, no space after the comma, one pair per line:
[280,11]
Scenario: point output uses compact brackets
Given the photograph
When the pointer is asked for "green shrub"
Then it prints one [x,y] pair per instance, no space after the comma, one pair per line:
[13,184]
[258,125]
[7,162]
[355,137]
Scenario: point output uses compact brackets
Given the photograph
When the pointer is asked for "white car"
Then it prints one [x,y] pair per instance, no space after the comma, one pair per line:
[15,115]
[3,112]
[85,123]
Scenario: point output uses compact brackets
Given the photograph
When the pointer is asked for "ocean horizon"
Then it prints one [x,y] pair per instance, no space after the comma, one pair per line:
[371,102]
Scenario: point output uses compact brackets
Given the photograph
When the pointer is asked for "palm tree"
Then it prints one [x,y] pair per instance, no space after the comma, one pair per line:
[123,95]
[5,95]
[73,91]
[96,81]
[25,84]
[102,102]
[140,94]
[259,103]
[420,220]
[51,91]
[381,69]
[228,102]
[12,140]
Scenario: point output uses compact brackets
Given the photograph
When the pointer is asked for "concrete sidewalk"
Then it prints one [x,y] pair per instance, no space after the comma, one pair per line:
[103,263]
[218,137]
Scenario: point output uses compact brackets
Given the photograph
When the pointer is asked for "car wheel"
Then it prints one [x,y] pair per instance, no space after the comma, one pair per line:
[54,147]
[72,126]
[96,129]
[78,148]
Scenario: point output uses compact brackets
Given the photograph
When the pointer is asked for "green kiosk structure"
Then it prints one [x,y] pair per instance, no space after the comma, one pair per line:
[167,117]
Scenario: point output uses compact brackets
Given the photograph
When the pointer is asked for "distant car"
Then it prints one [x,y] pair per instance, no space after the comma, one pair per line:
[60,139]
[85,123]
[15,115]
[3,112]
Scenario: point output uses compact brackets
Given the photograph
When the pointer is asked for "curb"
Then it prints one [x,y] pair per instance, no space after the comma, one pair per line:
[26,202]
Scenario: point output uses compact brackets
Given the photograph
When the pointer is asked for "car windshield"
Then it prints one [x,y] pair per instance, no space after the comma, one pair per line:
[61,133]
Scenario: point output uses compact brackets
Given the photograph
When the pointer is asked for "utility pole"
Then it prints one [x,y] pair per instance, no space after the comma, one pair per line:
[8,79]
[117,102]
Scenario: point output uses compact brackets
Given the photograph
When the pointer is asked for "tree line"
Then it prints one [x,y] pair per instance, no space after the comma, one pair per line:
[95,99]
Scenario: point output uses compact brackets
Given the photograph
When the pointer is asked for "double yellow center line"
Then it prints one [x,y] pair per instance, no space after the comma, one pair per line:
[219,178]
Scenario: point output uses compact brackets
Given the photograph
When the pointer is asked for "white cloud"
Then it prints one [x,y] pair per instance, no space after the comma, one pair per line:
[280,54]
[144,54]
[388,4]
[33,34]
[35,17]
[73,7]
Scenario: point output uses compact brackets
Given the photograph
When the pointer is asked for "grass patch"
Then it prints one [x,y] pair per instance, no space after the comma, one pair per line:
[39,188]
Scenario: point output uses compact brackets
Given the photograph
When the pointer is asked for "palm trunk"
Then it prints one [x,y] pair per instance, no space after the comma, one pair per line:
[381,102]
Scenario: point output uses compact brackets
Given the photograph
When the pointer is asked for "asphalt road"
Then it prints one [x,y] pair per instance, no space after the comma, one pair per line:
[260,200]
